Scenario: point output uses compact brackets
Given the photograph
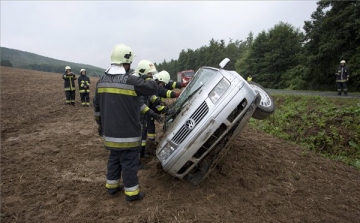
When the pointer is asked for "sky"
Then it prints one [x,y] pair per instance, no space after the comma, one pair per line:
[86,31]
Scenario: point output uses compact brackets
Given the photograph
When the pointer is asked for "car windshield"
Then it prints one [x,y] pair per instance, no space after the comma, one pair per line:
[202,76]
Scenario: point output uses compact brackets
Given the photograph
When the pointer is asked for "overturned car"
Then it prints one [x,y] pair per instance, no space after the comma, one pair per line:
[210,113]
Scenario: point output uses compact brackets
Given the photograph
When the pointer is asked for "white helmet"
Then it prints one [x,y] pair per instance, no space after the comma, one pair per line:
[163,76]
[67,68]
[343,61]
[121,54]
[145,67]
[82,70]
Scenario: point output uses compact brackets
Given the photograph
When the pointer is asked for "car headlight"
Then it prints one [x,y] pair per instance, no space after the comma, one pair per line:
[219,90]
[166,152]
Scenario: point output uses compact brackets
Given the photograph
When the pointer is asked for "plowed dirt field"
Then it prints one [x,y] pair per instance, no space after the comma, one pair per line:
[53,168]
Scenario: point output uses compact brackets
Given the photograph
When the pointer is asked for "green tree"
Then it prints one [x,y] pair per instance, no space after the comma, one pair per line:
[271,55]
[332,34]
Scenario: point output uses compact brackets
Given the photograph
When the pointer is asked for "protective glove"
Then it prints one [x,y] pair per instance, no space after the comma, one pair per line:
[157,117]
[100,130]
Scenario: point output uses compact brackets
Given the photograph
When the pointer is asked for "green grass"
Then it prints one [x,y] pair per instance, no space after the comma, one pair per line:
[330,126]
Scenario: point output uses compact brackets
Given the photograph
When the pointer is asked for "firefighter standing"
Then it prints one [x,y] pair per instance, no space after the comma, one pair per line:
[116,106]
[69,86]
[162,78]
[84,88]
[342,76]
[146,69]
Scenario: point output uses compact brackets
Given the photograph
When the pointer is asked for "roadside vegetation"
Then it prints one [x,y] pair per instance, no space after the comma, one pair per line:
[330,126]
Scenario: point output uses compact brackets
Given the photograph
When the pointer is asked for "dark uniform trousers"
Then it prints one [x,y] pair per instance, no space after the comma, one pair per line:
[129,160]
[85,99]
[70,96]
[151,135]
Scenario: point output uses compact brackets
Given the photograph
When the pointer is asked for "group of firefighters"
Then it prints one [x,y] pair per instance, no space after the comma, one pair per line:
[127,103]
[70,88]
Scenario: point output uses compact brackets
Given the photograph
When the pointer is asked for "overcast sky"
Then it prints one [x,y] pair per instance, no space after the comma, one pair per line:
[86,31]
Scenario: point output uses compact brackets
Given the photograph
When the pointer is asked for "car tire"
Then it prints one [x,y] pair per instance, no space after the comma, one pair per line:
[267,104]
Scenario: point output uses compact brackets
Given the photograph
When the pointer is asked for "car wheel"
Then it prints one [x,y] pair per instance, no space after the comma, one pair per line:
[267,104]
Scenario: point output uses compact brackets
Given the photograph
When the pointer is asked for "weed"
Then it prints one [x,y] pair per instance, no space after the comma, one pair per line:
[327,125]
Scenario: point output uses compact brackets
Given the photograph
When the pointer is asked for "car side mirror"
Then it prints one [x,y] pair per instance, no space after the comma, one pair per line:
[224,62]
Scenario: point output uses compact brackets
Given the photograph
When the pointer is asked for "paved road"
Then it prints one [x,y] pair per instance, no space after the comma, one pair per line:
[318,93]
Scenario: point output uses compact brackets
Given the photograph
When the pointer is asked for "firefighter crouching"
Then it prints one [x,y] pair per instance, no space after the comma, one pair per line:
[116,106]
[69,86]
[84,88]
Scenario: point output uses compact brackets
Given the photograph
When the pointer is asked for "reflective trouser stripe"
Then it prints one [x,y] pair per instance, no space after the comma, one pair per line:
[83,103]
[110,184]
[143,143]
[151,136]
[87,103]
[132,191]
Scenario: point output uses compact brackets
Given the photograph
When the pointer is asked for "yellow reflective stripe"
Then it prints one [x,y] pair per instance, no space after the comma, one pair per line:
[146,109]
[121,144]
[153,98]
[82,91]
[67,89]
[174,84]
[143,143]
[151,135]
[112,186]
[160,107]
[168,94]
[132,193]
[117,91]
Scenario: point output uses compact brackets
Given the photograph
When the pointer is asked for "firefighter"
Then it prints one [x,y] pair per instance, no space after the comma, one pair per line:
[146,69]
[342,76]
[84,88]
[116,106]
[157,104]
[69,85]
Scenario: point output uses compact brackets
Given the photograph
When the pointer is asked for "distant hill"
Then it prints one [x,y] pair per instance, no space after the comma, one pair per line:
[26,60]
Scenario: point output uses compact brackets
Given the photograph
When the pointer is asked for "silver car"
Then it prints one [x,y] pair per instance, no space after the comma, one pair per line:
[210,113]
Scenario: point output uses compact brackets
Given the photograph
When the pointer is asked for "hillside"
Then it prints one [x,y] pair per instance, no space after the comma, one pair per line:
[27,60]
[53,167]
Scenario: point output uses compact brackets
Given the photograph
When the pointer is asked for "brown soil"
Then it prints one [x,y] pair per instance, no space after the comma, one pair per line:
[53,169]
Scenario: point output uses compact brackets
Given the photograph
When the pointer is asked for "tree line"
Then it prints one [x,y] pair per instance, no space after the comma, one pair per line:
[284,57]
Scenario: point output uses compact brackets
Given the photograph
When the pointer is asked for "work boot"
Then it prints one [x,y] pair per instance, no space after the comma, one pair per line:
[139,196]
[73,103]
[114,191]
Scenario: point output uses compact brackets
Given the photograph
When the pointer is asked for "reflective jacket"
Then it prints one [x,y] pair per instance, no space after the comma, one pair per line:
[342,74]
[117,105]
[69,81]
[84,84]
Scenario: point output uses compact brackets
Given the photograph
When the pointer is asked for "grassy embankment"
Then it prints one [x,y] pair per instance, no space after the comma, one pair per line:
[330,126]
